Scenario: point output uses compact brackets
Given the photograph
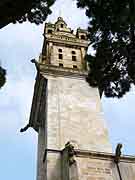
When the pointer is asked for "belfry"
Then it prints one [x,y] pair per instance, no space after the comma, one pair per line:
[73,141]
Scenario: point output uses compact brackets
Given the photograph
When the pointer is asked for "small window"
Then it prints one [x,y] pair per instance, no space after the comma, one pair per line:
[82,37]
[74,66]
[60,65]
[49,31]
[73,58]
[60,50]
[73,52]
[61,25]
[60,56]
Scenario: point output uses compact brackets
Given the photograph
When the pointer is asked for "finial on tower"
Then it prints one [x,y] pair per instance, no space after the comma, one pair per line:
[60,13]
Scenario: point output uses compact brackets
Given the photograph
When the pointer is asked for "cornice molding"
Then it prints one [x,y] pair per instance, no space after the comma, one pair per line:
[64,72]
[66,40]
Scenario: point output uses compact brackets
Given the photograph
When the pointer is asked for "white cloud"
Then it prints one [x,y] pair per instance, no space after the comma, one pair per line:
[16,98]
[67,9]
[120,118]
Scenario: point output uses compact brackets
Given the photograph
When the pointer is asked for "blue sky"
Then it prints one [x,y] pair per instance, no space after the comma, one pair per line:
[18,45]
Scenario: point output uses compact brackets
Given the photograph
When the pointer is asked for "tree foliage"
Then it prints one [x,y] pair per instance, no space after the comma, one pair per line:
[35,11]
[2,76]
[112,35]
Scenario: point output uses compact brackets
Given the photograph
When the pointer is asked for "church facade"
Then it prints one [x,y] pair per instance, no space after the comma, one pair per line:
[73,142]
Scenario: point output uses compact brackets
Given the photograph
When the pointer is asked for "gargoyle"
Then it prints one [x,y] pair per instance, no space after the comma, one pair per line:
[118,153]
[71,153]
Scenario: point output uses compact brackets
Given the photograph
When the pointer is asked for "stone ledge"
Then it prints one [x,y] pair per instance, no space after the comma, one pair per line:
[96,155]
[103,155]
[67,40]
[57,71]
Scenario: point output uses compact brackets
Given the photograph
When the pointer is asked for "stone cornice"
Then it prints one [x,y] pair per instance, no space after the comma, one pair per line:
[58,71]
[96,155]
[103,155]
[66,40]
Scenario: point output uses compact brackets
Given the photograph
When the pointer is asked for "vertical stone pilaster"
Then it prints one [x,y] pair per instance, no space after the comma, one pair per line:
[41,174]
[50,46]
[65,165]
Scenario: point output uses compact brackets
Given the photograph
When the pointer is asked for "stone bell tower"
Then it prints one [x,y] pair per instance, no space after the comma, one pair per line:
[65,108]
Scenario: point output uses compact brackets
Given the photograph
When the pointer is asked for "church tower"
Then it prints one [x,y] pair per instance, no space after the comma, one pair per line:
[66,111]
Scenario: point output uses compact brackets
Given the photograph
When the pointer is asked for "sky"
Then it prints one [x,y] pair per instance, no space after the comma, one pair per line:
[20,43]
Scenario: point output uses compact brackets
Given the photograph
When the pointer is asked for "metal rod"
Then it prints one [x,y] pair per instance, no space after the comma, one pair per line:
[118,168]
[51,151]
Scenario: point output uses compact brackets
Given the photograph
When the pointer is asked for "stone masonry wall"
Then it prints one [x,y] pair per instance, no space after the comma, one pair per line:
[74,114]
[94,169]
[67,57]
[101,167]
